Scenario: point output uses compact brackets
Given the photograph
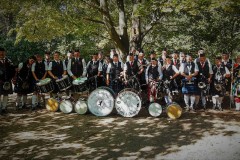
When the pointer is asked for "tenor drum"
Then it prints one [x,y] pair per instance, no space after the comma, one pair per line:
[101,101]
[80,85]
[128,103]
[64,83]
[66,106]
[155,109]
[52,105]
[174,111]
[45,85]
[80,107]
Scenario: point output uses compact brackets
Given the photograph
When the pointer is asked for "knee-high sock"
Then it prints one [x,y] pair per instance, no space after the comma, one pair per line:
[204,101]
[219,102]
[192,98]
[19,97]
[34,100]
[237,106]
[197,98]
[24,100]
[214,100]
[186,99]
[4,102]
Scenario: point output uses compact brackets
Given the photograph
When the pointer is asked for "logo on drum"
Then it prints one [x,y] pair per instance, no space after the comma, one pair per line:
[99,103]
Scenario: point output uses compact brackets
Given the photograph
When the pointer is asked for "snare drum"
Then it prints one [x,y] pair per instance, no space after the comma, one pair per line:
[174,111]
[45,85]
[128,102]
[52,105]
[80,107]
[66,106]
[101,101]
[80,85]
[155,109]
[63,83]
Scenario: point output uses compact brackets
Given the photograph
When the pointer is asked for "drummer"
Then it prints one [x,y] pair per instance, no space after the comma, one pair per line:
[57,69]
[189,71]
[94,69]
[153,74]
[236,83]
[76,66]
[39,71]
[227,62]
[114,74]
[7,72]
[220,73]
[106,62]
[24,83]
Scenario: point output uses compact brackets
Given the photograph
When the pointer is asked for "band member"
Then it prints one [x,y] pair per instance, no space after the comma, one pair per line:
[153,55]
[227,62]
[175,60]
[170,73]
[106,62]
[220,73]
[25,80]
[100,57]
[94,69]
[236,83]
[182,57]
[47,59]
[131,67]
[153,75]
[189,71]
[76,66]
[114,74]
[162,58]
[204,76]
[56,70]
[7,71]
[39,71]
[69,56]
[142,63]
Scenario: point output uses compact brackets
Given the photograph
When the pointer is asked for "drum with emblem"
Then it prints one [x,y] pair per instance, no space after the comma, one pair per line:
[101,101]
[52,105]
[174,111]
[128,102]
[189,86]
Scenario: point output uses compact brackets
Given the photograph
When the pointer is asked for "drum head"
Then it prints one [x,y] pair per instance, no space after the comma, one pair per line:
[128,103]
[66,106]
[100,102]
[81,107]
[44,82]
[174,111]
[155,109]
[79,81]
[52,105]
[64,77]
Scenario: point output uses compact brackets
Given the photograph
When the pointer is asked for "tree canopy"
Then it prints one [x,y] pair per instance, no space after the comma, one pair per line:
[123,24]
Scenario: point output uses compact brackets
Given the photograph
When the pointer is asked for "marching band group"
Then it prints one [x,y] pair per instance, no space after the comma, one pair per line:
[160,77]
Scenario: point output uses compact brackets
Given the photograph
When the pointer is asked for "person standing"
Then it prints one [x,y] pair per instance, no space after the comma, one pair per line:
[7,72]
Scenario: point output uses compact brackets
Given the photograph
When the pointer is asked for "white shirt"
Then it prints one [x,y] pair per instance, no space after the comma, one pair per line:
[70,65]
[50,66]
[181,69]
[159,72]
[99,66]
[34,66]
[110,66]
[173,67]
[209,64]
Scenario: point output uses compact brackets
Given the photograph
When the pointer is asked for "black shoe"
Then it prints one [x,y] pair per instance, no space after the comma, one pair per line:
[4,111]
[23,106]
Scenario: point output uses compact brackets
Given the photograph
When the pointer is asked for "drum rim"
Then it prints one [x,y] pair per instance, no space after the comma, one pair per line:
[65,100]
[176,104]
[44,80]
[63,78]
[152,105]
[140,100]
[111,96]
[56,102]
[76,105]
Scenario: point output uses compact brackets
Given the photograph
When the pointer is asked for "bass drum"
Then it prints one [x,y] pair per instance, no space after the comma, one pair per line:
[155,109]
[128,103]
[80,107]
[52,105]
[101,101]
[66,106]
[174,110]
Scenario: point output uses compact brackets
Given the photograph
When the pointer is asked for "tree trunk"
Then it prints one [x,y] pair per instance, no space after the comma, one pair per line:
[136,33]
